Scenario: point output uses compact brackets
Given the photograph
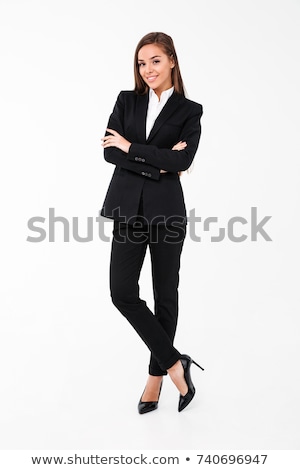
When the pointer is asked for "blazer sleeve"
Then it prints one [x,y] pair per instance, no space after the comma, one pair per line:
[172,160]
[120,158]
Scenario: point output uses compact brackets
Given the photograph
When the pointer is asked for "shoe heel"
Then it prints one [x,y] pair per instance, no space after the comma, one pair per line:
[197,365]
[187,398]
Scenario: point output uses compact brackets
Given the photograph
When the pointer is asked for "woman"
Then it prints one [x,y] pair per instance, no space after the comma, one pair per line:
[152,136]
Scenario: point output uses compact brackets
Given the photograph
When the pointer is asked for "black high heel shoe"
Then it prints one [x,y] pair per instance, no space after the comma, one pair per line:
[146,406]
[186,362]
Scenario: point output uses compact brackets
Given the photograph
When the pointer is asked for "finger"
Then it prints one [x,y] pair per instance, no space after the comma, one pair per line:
[112,131]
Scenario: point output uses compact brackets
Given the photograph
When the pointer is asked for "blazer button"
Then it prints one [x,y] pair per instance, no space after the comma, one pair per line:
[143,173]
[142,159]
[136,158]
[149,174]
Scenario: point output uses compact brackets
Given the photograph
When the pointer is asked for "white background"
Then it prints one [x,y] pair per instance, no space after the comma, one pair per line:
[72,369]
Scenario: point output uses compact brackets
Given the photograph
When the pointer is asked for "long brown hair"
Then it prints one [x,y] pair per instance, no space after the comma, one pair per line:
[166,43]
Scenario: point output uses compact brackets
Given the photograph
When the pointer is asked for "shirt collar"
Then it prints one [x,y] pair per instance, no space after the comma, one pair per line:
[165,95]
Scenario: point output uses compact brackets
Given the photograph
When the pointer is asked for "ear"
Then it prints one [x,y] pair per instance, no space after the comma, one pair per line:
[172,61]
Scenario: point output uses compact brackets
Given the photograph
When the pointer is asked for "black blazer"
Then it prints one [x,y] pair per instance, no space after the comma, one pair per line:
[137,173]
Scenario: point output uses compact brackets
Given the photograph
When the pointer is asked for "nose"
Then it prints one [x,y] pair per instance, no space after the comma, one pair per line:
[148,67]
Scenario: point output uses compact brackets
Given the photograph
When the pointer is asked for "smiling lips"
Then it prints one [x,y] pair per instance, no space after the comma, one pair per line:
[152,78]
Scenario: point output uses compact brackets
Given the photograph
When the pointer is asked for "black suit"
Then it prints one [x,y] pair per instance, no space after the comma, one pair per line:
[139,189]
[138,172]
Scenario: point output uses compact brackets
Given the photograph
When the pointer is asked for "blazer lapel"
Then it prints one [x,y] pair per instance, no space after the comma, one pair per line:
[141,113]
[169,108]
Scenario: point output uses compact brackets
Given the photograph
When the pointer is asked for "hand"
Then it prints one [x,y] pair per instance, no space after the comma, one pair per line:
[179,146]
[115,140]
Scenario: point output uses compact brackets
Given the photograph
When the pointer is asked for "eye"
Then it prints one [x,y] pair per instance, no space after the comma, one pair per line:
[141,64]
[156,61]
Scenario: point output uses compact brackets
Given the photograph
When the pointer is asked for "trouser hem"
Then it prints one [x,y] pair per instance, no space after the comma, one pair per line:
[157,373]
[173,359]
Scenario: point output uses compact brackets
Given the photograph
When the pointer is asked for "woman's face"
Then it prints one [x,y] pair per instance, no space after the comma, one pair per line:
[155,68]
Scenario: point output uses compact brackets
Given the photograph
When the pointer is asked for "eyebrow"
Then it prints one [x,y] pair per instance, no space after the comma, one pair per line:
[142,60]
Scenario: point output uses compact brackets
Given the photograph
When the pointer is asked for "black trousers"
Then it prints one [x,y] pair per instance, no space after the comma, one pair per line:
[129,246]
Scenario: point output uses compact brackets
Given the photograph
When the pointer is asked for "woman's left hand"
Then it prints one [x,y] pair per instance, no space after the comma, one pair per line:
[115,140]
[180,145]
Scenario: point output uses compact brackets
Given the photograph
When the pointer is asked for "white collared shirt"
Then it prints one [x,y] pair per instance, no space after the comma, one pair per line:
[155,106]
